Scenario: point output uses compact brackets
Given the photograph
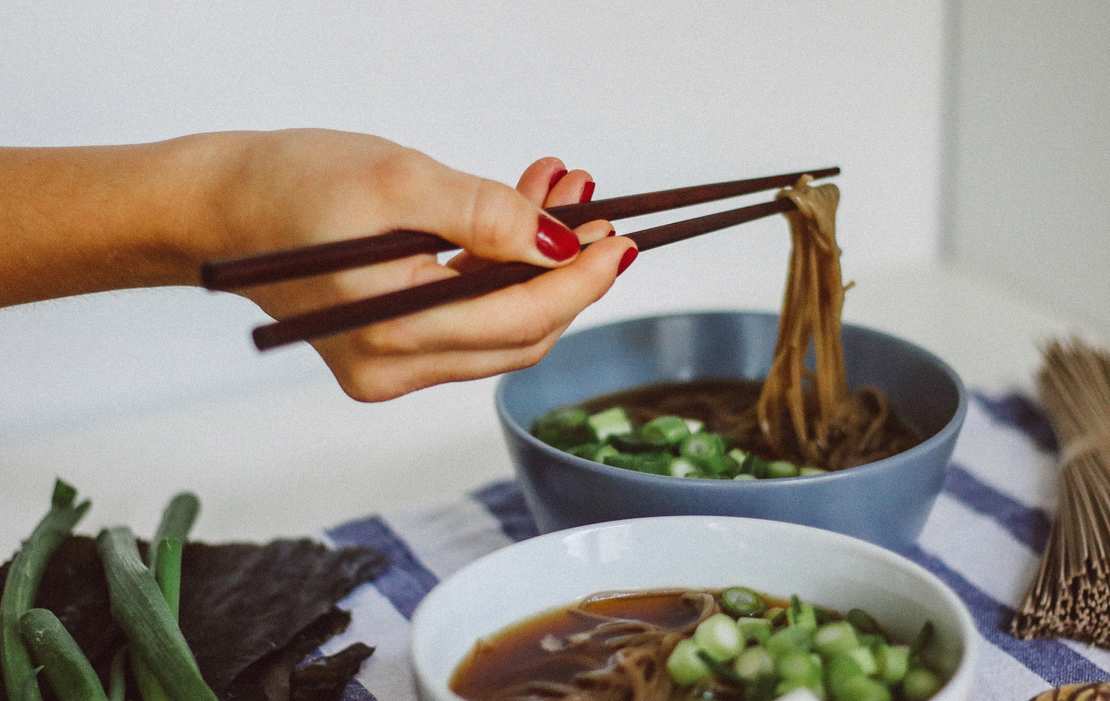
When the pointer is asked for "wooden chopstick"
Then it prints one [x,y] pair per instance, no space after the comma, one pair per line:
[341,255]
[327,322]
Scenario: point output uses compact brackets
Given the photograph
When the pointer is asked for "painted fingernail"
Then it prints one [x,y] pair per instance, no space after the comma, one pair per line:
[587,192]
[626,259]
[555,240]
[611,233]
[556,177]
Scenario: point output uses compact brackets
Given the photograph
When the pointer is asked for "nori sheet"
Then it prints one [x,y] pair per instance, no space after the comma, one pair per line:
[244,608]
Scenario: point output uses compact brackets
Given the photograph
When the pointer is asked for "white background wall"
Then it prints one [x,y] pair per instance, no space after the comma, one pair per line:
[1030,150]
[645,95]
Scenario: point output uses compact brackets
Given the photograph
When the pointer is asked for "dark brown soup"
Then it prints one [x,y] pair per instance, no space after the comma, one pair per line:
[727,407]
[516,655]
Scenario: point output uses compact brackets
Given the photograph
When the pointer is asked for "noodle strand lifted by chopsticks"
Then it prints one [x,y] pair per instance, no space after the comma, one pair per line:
[811,310]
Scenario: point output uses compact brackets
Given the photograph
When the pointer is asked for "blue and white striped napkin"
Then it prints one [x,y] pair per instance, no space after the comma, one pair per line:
[983,538]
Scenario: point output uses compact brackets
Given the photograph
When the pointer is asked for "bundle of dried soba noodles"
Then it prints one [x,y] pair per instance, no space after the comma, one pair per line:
[1071,594]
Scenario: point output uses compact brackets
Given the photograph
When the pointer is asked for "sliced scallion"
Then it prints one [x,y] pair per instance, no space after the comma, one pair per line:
[741,601]
[835,638]
[920,684]
[610,422]
[719,637]
[684,665]
[781,468]
[669,430]
[753,663]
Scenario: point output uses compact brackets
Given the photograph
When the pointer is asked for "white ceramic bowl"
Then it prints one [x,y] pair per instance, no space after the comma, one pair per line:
[690,551]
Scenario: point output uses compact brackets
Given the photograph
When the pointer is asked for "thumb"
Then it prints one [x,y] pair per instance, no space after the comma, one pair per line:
[487,218]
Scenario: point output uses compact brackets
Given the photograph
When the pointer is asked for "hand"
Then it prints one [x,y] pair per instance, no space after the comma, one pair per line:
[300,187]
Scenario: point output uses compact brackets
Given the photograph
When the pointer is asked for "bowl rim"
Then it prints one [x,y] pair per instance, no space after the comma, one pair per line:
[886,464]
[962,674]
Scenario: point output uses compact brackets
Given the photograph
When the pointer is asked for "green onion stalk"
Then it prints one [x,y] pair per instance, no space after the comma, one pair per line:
[140,608]
[22,583]
[164,558]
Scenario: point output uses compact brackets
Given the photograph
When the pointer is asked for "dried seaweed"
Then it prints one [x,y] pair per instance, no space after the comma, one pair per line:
[240,602]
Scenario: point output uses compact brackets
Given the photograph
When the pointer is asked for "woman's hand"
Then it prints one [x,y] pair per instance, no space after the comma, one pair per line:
[301,187]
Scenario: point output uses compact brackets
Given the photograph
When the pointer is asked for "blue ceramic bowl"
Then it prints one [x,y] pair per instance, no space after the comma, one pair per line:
[885,502]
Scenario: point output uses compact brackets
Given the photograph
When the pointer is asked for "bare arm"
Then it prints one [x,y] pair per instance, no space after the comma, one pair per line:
[77,220]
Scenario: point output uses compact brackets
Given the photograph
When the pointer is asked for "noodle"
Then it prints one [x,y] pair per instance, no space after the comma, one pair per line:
[806,417]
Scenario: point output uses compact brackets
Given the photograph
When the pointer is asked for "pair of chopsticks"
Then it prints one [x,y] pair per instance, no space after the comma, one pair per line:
[343,255]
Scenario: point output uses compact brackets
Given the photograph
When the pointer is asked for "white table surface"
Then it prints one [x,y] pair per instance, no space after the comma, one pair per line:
[294,460]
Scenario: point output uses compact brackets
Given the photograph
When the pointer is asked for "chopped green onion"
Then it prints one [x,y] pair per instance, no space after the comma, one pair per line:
[839,670]
[702,446]
[651,463]
[800,690]
[665,429]
[684,665]
[861,688]
[604,453]
[790,639]
[563,427]
[894,661]
[587,451]
[801,614]
[795,665]
[753,663]
[738,455]
[742,477]
[636,443]
[774,613]
[758,466]
[835,638]
[22,583]
[863,621]
[611,422]
[719,637]
[920,684]
[866,660]
[807,471]
[781,468]
[141,610]
[741,601]
[693,425]
[65,667]
[681,467]
[717,465]
[757,629]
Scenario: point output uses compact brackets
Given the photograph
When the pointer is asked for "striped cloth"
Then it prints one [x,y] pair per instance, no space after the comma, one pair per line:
[983,538]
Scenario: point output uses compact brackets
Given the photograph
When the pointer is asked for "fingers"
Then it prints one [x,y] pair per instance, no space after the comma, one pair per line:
[516,317]
[539,178]
[487,218]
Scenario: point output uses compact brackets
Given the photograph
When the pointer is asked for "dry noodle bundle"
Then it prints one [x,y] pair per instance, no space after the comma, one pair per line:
[813,414]
[1070,596]
[1078,692]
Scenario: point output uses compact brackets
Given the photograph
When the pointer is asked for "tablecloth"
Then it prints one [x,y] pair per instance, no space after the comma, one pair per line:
[983,538]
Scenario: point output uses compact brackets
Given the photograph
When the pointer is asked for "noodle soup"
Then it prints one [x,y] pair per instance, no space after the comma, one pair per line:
[734,644]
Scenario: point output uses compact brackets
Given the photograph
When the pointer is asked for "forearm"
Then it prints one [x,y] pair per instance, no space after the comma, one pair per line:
[77,220]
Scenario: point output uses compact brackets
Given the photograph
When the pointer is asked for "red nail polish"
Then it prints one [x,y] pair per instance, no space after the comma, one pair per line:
[626,259]
[587,192]
[556,177]
[611,233]
[555,240]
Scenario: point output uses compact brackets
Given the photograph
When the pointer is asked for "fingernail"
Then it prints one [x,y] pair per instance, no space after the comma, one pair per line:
[555,240]
[626,259]
[587,192]
[556,177]
[611,233]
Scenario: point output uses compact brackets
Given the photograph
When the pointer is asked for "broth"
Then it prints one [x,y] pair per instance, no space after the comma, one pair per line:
[728,407]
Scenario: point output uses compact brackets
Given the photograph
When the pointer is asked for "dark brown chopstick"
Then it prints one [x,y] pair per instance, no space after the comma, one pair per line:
[327,322]
[366,250]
